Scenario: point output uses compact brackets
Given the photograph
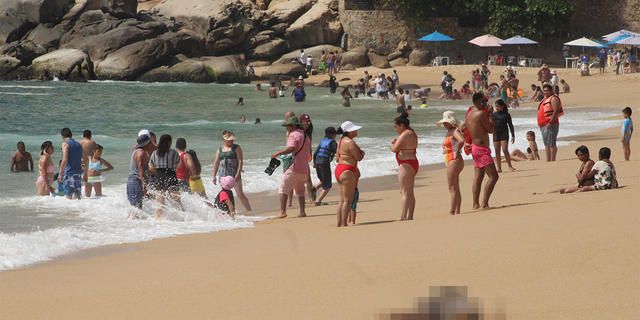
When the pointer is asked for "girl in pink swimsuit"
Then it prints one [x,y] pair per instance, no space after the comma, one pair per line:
[46,170]
[405,150]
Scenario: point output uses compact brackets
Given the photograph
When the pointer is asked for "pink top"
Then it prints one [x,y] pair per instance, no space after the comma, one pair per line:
[224,196]
[301,161]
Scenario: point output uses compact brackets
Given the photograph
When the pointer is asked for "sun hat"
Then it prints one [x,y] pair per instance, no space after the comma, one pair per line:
[330,132]
[227,182]
[304,118]
[144,132]
[348,126]
[379,74]
[143,140]
[553,71]
[448,117]
[291,121]
[228,135]
[544,65]
[365,70]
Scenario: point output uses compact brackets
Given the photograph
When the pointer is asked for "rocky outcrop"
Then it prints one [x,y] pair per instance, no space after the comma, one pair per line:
[14,28]
[378,61]
[399,62]
[356,57]
[185,42]
[419,58]
[8,64]
[192,70]
[66,64]
[284,71]
[121,9]
[132,60]
[268,49]
[226,69]
[99,46]
[287,11]
[82,32]
[319,25]
[43,11]
[25,51]
[347,67]
[47,38]
[316,52]
[223,23]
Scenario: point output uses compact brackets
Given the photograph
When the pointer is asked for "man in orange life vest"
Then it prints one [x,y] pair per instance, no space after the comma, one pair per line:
[549,110]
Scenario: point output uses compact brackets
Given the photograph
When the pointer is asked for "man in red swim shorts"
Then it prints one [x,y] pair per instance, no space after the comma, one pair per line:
[479,126]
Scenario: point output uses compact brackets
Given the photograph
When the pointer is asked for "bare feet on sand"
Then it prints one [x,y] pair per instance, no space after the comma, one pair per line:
[280,216]
[302,215]
[512,168]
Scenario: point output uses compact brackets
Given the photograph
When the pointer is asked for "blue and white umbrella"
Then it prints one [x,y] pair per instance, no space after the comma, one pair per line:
[618,39]
[518,40]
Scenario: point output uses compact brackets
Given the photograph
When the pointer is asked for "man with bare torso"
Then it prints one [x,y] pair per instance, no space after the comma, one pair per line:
[87,152]
[21,158]
[480,124]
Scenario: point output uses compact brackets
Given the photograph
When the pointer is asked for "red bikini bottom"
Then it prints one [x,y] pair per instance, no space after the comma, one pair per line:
[413,162]
[341,167]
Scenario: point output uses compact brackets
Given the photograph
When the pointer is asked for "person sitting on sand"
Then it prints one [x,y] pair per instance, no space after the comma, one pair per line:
[603,173]
[224,200]
[582,176]
[465,90]
[565,87]
[532,150]
[456,95]
[451,147]
[258,88]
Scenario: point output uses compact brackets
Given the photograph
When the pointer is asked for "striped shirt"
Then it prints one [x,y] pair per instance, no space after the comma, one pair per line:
[170,160]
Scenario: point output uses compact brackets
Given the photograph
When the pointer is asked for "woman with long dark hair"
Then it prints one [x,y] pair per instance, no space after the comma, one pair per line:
[405,149]
[163,163]
[46,170]
[502,120]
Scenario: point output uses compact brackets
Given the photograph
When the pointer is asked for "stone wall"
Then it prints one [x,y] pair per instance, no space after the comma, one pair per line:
[595,18]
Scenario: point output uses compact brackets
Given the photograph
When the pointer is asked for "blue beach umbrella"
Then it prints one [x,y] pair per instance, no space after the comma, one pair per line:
[601,43]
[616,40]
[436,37]
[518,40]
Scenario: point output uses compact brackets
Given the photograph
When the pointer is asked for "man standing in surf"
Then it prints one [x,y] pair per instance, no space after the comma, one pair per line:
[87,152]
[479,126]
[71,166]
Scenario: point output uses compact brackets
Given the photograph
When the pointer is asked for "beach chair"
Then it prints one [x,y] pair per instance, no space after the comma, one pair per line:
[512,59]
[522,61]
[492,60]
[535,62]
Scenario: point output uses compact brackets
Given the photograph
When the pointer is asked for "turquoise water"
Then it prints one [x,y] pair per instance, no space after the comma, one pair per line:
[115,111]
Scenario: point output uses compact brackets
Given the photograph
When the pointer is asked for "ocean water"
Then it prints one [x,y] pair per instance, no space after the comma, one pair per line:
[35,229]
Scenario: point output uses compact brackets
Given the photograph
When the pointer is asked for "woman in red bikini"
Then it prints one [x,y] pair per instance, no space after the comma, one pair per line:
[405,149]
[347,172]
[451,147]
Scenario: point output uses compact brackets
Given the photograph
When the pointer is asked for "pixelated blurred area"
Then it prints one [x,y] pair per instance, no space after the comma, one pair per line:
[449,303]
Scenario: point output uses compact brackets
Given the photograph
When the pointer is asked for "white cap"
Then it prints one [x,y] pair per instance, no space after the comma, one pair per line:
[348,126]
[300,77]
[379,74]
[144,132]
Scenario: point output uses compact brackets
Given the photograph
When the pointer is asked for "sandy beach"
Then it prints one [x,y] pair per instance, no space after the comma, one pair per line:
[544,256]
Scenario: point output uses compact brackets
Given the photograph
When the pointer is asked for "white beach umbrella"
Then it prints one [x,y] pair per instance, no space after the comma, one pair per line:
[584,42]
[487,41]
[634,41]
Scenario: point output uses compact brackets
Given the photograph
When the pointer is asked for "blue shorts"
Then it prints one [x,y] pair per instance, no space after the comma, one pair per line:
[330,64]
[134,192]
[72,184]
[627,137]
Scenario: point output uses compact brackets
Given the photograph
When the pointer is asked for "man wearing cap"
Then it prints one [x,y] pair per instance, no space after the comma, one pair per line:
[251,71]
[555,81]
[322,162]
[510,68]
[479,126]
[309,64]
[138,172]
[295,176]
[544,75]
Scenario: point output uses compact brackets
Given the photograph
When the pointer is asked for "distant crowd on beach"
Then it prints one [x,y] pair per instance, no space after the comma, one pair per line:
[157,172]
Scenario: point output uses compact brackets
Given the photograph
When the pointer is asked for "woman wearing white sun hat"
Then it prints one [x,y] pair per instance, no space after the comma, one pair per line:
[451,146]
[347,173]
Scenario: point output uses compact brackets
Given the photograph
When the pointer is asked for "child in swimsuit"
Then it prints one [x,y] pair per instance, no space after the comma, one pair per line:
[95,172]
[405,147]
